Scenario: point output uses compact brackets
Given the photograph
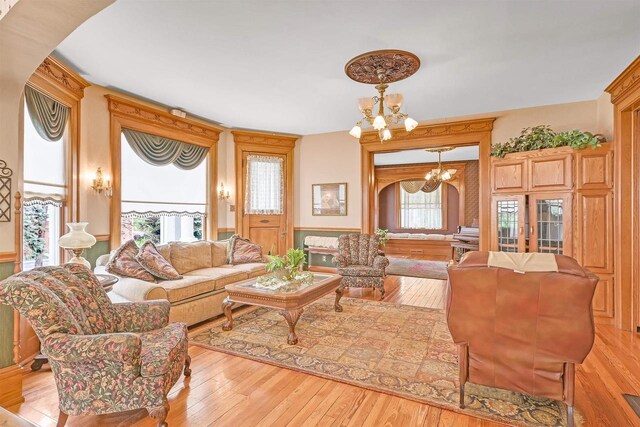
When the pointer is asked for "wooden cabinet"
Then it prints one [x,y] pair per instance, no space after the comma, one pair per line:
[560,201]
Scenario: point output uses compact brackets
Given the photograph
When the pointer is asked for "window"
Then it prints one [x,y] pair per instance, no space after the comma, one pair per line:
[161,203]
[265,185]
[45,190]
[421,210]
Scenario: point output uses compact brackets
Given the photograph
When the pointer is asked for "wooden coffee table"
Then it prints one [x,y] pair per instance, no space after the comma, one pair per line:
[290,304]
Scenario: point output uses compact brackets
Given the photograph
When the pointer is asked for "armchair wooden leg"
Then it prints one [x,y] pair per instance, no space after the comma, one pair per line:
[160,414]
[62,419]
[187,366]
[463,366]
[461,395]
[569,415]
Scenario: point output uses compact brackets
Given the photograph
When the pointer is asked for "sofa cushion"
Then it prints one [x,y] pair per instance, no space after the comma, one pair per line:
[219,249]
[165,251]
[243,251]
[124,263]
[151,260]
[186,257]
[161,348]
[250,268]
[187,287]
[221,276]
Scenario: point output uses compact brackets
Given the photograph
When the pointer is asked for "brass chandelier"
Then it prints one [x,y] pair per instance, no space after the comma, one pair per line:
[382,67]
[438,175]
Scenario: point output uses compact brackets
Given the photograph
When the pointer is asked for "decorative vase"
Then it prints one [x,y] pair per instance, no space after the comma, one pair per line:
[77,240]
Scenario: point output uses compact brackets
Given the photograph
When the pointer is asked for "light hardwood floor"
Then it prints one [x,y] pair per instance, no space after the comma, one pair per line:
[231,391]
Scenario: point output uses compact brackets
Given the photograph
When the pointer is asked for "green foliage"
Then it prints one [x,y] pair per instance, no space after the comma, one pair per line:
[34,232]
[288,264]
[539,137]
[383,235]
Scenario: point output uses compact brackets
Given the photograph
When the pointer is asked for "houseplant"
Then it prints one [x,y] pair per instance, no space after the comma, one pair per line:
[383,234]
[285,272]
[542,136]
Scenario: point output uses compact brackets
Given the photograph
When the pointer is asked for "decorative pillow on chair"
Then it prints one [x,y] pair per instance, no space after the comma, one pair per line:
[124,263]
[243,251]
[151,260]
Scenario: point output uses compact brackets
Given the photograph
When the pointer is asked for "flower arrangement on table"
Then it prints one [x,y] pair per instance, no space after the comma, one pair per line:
[285,272]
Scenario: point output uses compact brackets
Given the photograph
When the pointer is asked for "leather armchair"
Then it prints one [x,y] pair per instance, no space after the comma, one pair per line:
[359,262]
[105,357]
[521,330]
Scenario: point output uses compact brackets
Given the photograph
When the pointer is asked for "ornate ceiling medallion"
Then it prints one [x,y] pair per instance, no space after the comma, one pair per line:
[382,66]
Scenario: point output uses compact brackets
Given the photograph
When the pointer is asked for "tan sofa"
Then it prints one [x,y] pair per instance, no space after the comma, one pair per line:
[198,295]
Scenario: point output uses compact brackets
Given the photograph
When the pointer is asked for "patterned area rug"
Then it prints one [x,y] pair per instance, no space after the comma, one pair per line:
[397,349]
[417,268]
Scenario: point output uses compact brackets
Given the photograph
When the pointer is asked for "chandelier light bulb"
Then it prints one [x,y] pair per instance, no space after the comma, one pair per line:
[446,176]
[379,123]
[410,124]
[428,176]
[386,135]
[355,131]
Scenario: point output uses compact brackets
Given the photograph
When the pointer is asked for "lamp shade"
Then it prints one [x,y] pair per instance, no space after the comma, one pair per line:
[77,237]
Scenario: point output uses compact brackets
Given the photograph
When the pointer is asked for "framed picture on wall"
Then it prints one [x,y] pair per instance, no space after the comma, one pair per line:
[329,199]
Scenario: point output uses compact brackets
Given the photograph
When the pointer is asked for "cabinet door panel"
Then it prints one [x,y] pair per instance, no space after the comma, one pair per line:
[550,229]
[509,176]
[508,224]
[595,168]
[595,230]
[603,298]
[550,173]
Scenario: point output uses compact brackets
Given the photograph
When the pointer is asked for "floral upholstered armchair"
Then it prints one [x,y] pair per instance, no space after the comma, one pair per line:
[359,262]
[105,357]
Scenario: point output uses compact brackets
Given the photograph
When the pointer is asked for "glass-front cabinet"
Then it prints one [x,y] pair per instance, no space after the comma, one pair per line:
[532,223]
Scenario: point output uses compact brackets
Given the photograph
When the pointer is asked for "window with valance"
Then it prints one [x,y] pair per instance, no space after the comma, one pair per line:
[420,209]
[45,177]
[164,188]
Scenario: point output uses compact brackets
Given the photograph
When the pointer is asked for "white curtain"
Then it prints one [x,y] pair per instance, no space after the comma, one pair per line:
[264,185]
[149,190]
[44,167]
[421,210]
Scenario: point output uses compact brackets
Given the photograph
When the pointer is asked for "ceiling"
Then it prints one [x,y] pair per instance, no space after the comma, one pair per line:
[278,65]
[421,156]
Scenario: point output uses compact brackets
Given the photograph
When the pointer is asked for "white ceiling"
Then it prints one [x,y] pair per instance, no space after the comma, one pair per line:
[278,65]
[421,156]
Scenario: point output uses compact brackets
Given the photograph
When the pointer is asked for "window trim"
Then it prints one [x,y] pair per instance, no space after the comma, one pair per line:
[444,210]
[134,115]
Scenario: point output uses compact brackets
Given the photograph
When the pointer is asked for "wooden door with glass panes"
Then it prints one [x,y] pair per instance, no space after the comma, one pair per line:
[508,223]
[264,182]
[550,228]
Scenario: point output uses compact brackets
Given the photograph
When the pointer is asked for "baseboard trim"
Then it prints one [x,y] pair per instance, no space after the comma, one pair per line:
[11,391]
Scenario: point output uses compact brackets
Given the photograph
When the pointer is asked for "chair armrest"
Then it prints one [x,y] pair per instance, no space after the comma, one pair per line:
[142,316]
[119,347]
[380,262]
[340,260]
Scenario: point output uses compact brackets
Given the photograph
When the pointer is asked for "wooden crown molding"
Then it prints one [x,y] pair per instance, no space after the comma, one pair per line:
[264,138]
[61,75]
[156,117]
[436,130]
[625,82]
[386,175]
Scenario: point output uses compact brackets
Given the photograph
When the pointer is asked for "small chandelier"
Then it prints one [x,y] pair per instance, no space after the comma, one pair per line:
[439,175]
[382,67]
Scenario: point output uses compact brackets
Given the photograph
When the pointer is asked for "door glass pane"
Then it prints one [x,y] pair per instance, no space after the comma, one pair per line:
[508,225]
[549,223]
[265,185]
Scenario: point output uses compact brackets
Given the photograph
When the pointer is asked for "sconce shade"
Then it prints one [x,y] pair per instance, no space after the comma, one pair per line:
[77,237]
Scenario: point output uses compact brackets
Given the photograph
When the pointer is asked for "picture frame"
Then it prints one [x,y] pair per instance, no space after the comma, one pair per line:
[329,199]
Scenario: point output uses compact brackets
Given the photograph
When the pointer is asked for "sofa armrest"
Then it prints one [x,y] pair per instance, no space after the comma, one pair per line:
[103,260]
[380,262]
[340,260]
[137,290]
[142,316]
[119,347]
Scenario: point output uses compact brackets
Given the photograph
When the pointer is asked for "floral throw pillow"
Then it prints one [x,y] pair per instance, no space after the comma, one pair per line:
[123,263]
[243,251]
[151,260]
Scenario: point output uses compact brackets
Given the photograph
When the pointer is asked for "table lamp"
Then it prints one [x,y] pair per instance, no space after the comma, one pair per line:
[77,240]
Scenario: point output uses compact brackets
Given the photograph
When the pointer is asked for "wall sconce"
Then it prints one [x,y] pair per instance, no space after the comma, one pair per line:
[99,186]
[222,195]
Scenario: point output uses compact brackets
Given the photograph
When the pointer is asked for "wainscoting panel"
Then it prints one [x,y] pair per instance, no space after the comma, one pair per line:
[6,322]
[318,260]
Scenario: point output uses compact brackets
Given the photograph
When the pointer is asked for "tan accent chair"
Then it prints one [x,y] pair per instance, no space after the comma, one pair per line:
[521,331]
[359,262]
